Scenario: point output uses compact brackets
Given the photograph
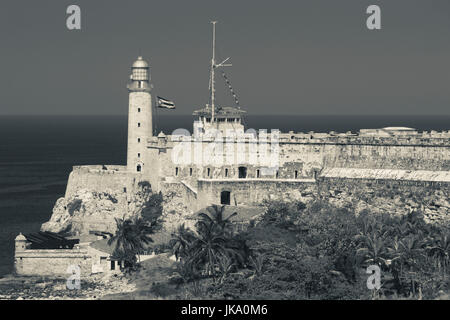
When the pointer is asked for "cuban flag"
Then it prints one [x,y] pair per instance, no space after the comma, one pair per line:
[164,103]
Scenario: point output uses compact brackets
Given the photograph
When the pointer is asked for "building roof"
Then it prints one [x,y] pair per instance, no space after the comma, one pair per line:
[221,112]
[140,63]
[103,246]
[49,240]
[399,129]
[21,237]
[387,174]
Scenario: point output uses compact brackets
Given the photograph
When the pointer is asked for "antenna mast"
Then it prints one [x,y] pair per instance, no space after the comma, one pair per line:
[213,66]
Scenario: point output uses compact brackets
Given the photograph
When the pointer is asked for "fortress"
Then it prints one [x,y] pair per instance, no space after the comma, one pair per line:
[223,162]
[393,169]
[181,167]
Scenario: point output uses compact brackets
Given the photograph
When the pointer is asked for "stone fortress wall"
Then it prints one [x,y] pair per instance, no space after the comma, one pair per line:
[97,177]
[303,155]
[47,262]
[421,160]
[304,158]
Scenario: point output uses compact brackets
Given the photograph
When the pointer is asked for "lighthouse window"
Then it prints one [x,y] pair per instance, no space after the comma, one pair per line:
[258,174]
[139,109]
[226,172]
[176,171]
[139,139]
[139,124]
[139,155]
[190,171]
[209,171]
[296,174]
[138,168]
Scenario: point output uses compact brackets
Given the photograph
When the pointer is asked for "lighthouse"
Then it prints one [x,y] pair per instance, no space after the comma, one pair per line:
[140,122]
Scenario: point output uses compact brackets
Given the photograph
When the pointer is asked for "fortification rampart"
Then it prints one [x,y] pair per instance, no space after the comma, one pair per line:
[253,192]
[433,138]
[296,158]
[46,262]
[99,178]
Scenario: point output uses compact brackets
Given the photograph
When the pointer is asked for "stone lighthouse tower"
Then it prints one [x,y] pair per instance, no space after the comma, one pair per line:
[140,122]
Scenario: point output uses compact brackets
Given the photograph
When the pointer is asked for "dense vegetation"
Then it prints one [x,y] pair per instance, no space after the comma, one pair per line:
[296,251]
[313,252]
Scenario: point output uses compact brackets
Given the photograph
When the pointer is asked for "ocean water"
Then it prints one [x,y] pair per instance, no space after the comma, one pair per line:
[38,152]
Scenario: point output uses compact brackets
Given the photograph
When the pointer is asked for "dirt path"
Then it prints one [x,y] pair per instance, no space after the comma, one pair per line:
[151,281]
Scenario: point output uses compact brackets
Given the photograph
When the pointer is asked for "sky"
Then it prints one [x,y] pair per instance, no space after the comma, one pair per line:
[311,57]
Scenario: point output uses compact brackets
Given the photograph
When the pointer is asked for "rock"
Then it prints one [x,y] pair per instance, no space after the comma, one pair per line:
[88,209]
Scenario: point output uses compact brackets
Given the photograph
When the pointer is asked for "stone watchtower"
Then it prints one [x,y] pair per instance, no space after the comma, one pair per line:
[140,121]
[20,246]
[21,242]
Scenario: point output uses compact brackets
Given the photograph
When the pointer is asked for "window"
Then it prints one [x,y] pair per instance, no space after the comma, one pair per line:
[226,173]
[258,173]
[138,168]
[225,197]
[139,140]
[277,174]
[139,124]
[242,172]
[139,109]
[124,189]
[176,171]
[190,171]
[209,171]
[296,174]
[113,265]
[139,155]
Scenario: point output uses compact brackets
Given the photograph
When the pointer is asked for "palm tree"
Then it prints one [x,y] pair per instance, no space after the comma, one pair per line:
[181,241]
[396,263]
[226,265]
[372,249]
[207,247]
[131,237]
[439,248]
[411,248]
[215,216]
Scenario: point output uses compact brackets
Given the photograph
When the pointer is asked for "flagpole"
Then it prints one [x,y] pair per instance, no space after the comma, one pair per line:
[154,133]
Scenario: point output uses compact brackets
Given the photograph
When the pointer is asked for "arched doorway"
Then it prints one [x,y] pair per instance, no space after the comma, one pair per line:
[225,197]
[242,172]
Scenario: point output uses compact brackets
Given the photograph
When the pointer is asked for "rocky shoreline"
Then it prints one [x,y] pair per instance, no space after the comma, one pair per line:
[45,288]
